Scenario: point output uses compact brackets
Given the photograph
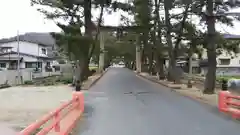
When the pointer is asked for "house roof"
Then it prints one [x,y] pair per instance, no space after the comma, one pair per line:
[39,38]
[10,58]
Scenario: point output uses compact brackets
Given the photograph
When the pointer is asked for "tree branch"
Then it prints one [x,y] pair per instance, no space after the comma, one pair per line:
[179,38]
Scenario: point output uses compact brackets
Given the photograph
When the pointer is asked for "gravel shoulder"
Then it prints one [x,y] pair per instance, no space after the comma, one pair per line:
[20,106]
[23,105]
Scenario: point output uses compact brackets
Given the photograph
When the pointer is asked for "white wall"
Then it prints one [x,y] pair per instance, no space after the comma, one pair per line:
[26,47]
[11,75]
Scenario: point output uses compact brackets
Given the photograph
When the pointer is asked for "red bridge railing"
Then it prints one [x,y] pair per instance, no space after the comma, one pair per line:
[61,121]
[229,103]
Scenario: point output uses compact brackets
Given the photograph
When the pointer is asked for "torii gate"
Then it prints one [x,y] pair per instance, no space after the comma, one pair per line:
[118,29]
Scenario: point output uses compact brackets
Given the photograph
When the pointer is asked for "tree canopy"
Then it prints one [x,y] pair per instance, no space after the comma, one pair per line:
[164,29]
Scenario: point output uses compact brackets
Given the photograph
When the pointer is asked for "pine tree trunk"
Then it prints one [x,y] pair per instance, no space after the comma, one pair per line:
[172,60]
[87,18]
[78,71]
[85,70]
[84,60]
[133,65]
[160,67]
[98,32]
[211,50]
[150,68]
[158,38]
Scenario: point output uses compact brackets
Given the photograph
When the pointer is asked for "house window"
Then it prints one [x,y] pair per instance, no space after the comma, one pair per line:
[31,64]
[2,65]
[44,51]
[48,64]
[224,61]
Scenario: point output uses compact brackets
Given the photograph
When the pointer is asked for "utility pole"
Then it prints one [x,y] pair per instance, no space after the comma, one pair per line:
[102,51]
[190,68]
[190,54]
[18,61]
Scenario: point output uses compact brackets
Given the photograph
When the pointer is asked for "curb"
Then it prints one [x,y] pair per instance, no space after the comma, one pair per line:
[95,81]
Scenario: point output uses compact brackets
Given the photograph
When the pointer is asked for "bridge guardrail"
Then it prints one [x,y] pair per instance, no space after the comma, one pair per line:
[63,118]
[229,103]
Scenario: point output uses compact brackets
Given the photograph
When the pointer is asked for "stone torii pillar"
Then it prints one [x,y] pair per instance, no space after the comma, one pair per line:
[102,52]
[133,29]
[138,56]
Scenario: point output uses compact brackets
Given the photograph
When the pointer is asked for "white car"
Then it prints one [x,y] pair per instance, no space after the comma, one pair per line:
[121,65]
[118,65]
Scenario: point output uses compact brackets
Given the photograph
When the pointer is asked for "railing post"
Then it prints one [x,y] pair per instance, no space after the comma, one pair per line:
[57,121]
[221,101]
[79,100]
[223,97]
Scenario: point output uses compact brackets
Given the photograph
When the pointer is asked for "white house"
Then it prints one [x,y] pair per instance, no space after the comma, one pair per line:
[226,60]
[35,51]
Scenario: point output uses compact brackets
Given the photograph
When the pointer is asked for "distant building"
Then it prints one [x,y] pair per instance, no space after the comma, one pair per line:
[36,50]
[227,63]
[226,59]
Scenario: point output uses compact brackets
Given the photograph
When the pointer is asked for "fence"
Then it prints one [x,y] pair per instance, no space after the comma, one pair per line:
[11,76]
[63,119]
[229,103]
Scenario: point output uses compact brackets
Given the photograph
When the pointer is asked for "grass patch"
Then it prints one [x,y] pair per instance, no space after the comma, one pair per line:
[28,82]
[93,67]
[48,81]
[65,78]
[220,78]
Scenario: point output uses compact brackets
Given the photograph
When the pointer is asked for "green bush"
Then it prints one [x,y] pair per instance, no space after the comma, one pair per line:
[67,81]
[28,82]
[49,83]
[58,80]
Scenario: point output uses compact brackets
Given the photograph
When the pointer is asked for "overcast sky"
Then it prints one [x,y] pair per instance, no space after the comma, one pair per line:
[18,15]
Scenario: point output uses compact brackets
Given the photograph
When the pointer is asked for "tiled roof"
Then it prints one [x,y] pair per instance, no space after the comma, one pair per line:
[13,52]
[38,38]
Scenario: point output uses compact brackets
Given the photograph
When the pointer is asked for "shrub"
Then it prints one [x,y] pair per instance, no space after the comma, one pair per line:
[28,82]
[48,83]
[64,80]
[93,71]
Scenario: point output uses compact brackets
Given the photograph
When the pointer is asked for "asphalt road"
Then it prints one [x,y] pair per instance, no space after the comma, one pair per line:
[123,104]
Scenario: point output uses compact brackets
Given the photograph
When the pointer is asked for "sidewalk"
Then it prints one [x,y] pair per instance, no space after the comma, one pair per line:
[5,130]
[21,106]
